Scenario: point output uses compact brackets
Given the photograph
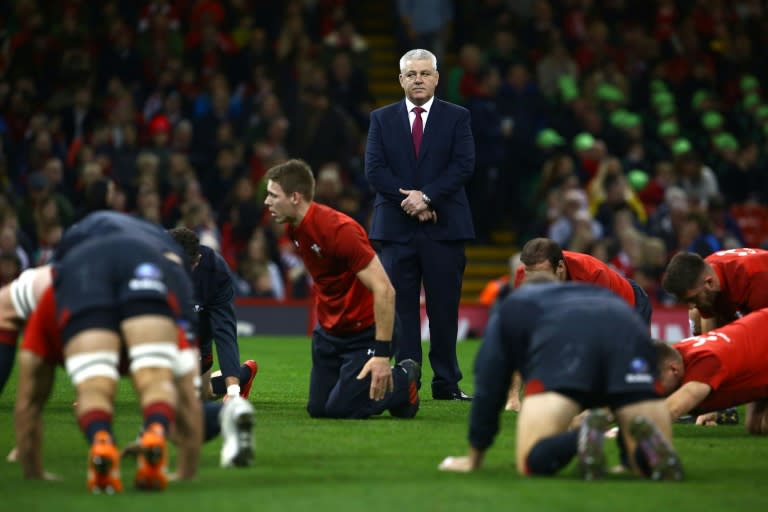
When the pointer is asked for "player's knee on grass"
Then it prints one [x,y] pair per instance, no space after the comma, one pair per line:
[551,454]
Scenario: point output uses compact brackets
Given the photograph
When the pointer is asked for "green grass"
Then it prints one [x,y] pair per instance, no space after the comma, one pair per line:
[378,464]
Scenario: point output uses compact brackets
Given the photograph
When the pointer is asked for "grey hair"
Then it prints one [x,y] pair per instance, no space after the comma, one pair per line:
[418,54]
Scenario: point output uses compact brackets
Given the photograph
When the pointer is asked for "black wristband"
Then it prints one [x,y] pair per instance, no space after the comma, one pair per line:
[382,348]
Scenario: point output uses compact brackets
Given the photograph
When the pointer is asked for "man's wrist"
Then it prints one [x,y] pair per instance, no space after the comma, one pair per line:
[427,200]
[382,348]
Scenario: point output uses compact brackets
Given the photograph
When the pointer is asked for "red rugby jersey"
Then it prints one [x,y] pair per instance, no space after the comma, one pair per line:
[588,269]
[41,334]
[733,360]
[743,275]
[334,249]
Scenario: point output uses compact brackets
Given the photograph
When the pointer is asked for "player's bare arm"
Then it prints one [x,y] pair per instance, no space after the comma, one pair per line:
[686,398]
[374,277]
[189,427]
[35,383]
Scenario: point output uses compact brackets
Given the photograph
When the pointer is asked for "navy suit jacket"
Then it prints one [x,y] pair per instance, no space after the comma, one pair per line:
[445,165]
[214,294]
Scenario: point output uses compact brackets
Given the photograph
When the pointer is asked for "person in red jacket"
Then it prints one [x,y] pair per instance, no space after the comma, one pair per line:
[723,368]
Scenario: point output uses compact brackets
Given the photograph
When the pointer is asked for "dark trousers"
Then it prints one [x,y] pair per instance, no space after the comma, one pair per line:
[440,266]
[334,391]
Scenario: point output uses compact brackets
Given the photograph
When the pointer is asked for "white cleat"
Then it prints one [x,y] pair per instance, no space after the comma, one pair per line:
[236,418]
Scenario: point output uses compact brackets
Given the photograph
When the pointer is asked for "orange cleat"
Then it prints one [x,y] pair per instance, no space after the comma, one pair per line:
[152,460]
[104,465]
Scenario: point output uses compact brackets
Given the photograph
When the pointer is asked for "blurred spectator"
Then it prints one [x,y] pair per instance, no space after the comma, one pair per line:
[262,276]
[328,185]
[574,225]
[10,268]
[425,24]
[345,38]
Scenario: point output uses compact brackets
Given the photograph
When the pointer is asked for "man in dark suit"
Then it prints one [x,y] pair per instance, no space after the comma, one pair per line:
[419,157]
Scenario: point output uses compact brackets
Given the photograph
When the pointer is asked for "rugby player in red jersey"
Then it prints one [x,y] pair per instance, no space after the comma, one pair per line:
[723,368]
[351,345]
[719,288]
[544,254]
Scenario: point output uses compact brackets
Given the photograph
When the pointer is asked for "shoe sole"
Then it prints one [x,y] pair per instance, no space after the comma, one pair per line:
[662,459]
[103,481]
[244,456]
[152,476]
[591,455]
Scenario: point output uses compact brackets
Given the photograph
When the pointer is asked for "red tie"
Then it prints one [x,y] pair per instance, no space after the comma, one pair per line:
[418,129]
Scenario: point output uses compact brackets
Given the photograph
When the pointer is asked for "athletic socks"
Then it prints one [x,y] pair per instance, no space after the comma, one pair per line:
[218,386]
[159,412]
[93,421]
[552,454]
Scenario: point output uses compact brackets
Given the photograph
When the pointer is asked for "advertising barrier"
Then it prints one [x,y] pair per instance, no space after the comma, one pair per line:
[264,317]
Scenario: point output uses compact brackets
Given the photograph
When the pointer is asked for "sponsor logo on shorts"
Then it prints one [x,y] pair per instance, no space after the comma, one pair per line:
[148,271]
[147,284]
[639,372]
[148,276]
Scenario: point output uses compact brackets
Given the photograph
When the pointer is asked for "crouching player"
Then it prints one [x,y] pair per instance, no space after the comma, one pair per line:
[41,351]
[578,347]
[722,368]
[119,293]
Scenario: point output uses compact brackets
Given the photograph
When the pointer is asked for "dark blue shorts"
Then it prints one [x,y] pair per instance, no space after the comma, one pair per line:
[104,281]
[608,365]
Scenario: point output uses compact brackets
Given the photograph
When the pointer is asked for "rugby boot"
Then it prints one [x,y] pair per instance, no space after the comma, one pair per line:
[245,389]
[236,418]
[152,459]
[590,453]
[104,465]
[409,409]
[662,460]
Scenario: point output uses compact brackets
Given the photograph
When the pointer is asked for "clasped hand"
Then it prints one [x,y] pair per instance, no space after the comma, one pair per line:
[414,205]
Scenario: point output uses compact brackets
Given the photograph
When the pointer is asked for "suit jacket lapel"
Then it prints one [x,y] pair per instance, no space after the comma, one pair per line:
[433,121]
[404,125]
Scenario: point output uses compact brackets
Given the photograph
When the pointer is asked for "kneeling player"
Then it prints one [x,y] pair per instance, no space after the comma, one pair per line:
[722,368]
[577,347]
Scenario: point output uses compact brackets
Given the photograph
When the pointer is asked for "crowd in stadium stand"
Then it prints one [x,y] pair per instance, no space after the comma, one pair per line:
[627,130]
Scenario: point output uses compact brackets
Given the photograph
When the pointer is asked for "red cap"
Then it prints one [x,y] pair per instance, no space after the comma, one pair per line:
[159,124]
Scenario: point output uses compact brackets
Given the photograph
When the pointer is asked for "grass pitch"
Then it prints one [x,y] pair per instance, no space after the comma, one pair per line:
[371,465]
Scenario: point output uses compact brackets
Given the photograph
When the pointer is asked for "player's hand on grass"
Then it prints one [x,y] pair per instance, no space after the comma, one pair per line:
[513,404]
[708,420]
[13,455]
[457,464]
[381,377]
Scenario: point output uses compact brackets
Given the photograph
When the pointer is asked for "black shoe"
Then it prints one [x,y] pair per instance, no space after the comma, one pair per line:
[728,416]
[413,372]
[455,394]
